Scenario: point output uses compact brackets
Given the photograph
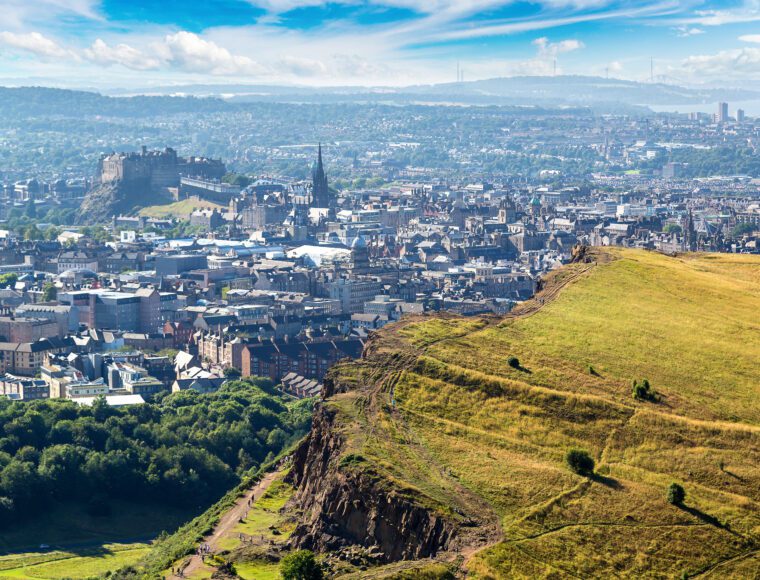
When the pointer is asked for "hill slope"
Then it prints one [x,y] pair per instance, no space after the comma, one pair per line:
[434,445]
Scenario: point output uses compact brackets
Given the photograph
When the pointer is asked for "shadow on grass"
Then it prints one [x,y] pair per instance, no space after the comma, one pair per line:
[737,477]
[706,518]
[604,480]
[83,551]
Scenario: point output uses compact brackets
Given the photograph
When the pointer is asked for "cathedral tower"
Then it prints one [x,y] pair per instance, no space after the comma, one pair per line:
[320,193]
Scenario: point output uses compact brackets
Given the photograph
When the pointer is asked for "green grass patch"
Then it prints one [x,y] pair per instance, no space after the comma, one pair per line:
[179,209]
[84,563]
[259,570]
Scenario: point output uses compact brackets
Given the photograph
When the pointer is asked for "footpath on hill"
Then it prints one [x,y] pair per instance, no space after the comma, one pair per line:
[226,523]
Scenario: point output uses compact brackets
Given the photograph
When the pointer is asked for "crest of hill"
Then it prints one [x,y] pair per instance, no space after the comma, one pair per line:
[20,102]
[458,450]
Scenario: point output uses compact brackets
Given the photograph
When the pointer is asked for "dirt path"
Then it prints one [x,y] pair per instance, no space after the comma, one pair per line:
[228,521]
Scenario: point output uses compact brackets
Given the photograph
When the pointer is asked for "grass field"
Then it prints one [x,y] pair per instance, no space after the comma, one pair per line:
[59,564]
[83,546]
[258,570]
[444,417]
[179,209]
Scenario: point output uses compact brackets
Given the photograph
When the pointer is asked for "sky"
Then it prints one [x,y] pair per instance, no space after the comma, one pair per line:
[144,43]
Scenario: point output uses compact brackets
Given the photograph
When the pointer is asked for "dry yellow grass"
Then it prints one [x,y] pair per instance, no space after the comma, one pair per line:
[448,420]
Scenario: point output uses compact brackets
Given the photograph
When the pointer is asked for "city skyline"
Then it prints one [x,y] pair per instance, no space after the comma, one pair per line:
[113,43]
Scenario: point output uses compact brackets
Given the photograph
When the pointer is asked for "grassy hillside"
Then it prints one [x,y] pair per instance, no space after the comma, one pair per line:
[439,413]
[179,209]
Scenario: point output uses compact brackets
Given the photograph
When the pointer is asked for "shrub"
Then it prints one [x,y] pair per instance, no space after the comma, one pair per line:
[676,494]
[580,461]
[300,565]
[514,362]
[643,391]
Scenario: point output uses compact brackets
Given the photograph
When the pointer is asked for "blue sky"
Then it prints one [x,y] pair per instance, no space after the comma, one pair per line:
[131,43]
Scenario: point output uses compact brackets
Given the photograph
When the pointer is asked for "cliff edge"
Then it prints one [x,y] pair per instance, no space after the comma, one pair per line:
[448,438]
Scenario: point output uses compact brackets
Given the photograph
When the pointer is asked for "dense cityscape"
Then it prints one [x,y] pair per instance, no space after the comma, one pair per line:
[256,273]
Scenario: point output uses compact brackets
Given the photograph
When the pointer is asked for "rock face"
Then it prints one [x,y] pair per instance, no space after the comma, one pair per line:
[114,198]
[342,504]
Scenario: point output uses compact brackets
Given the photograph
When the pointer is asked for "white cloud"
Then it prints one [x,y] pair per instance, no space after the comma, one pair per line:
[684,31]
[353,65]
[552,49]
[545,62]
[20,14]
[35,43]
[301,67]
[754,38]
[748,11]
[516,26]
[615,67]
[740,63]
[190,52]
[423,6]
[102,54]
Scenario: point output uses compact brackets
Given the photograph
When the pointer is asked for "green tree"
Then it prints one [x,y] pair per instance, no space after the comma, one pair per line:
[51,234]
[301,565]
[49,292]
[19,481]
[580,461]
[740,229]
[676,494]
[31,209]
[643,391]
[237,179]
[32,233]
[8,280]
[672,229]
[232,373]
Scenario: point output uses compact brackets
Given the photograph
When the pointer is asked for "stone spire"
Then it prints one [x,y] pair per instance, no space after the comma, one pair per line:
[320,193]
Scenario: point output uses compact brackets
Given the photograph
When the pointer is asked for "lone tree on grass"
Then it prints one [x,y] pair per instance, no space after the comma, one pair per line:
[580,461]
[676,494]
[643,391]
[514,362]
[300,565]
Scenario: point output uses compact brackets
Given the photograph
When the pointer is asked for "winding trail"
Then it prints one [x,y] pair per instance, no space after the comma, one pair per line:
[226,523]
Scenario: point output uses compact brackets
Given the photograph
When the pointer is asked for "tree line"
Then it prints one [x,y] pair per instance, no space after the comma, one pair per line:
[184,448]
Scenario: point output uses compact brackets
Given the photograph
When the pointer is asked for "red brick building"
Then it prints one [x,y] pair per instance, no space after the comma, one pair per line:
[275,359]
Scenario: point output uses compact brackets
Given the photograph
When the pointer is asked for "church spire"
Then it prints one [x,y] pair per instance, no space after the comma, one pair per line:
[320,193]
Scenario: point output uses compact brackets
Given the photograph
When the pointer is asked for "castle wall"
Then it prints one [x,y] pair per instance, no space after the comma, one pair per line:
[161,169]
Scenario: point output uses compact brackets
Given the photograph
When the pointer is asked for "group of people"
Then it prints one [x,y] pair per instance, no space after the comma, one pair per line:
[253,539]
[203,549]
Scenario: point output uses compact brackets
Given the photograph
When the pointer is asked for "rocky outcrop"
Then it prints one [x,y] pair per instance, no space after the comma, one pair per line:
[342,503]
[117,197]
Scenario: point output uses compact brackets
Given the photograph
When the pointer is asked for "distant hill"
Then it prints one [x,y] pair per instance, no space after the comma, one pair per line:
[583,89]
[604,95]
[527,90]
[26,102]
[439,442]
